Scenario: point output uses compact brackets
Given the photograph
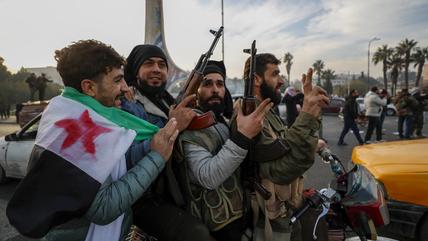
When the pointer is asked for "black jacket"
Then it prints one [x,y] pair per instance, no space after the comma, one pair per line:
[351,108]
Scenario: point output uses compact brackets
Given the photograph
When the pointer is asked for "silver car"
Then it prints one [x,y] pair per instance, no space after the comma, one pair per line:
[390,108]
[15,150]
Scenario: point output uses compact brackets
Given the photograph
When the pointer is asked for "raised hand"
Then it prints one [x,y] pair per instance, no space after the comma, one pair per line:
[182,113]
[252,124]
[315,96]
[163,140]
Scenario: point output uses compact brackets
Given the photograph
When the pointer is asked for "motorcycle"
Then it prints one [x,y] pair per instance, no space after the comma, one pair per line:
[354,199]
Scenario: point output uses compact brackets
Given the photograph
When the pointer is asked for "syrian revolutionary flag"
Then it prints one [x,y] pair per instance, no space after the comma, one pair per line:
[79,144]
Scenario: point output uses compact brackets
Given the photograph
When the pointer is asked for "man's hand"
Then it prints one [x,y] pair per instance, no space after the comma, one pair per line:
[183,114]
[321,145]
[163,140]
[252,124]
[315,97]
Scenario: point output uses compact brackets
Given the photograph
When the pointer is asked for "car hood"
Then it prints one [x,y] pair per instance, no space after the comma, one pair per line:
[402,166]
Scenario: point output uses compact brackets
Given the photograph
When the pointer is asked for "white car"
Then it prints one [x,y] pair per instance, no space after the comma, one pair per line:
[390,111]
[15,150]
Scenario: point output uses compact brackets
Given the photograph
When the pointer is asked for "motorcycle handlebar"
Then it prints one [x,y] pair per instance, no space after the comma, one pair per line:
[312,201]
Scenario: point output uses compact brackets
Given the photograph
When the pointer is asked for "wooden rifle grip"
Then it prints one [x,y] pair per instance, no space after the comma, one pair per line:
[202,121]
[248,105]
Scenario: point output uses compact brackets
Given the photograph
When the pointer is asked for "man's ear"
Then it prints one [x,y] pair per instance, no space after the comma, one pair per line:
[257,80]
[88,87]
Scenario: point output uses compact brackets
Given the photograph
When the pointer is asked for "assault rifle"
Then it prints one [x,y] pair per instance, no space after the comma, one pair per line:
[248,106]
[192,84]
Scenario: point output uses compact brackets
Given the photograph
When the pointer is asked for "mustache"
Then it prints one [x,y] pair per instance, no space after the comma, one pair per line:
[215,97]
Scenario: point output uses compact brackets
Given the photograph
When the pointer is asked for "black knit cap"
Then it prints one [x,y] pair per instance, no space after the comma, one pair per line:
[218,67]
[136,58]
[215,67]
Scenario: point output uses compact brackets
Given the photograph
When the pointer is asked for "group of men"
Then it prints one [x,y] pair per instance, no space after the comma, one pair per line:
[114,150]
[37,83]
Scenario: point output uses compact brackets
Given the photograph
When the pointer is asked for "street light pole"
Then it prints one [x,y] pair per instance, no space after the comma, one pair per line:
[368,62]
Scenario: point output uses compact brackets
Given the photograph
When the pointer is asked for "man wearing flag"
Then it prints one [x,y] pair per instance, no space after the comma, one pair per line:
[79,186]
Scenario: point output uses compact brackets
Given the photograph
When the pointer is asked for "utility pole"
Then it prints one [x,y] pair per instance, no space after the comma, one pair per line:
[368,62]
[222,24]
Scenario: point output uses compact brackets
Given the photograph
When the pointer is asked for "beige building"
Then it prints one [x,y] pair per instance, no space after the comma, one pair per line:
[50,71]
[424,83]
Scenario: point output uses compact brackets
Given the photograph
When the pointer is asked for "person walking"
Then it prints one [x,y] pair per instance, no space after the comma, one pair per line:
[350,113]
[373,102]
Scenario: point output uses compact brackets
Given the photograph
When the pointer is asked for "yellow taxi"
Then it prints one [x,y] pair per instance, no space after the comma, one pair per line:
[402,168]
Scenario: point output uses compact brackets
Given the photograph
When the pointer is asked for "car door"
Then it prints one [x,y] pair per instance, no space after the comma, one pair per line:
[19,149]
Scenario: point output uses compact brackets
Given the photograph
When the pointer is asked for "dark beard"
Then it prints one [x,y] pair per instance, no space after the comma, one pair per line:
[148,90]
[217,108]
[269,92]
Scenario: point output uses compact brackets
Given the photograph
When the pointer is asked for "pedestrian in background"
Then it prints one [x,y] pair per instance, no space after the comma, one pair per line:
[350,113]
[406,105]
[373,102]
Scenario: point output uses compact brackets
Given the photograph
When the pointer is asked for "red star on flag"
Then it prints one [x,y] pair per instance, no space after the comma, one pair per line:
[83,129]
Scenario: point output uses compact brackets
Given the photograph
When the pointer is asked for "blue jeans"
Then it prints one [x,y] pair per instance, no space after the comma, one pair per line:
[349,123]
[407,121]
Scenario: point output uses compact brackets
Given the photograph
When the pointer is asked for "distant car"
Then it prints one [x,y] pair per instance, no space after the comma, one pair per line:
[15,150]
[401,167]
[390,111]
[30,110]
[335,106]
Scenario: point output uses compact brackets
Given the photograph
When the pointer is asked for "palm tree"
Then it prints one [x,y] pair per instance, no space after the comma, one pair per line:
[382,54]
[288,61]
[318,67]
[396,63]
[404,48]
[328,75]
[419,58]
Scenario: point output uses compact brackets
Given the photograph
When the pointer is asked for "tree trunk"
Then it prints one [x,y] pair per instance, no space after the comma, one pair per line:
[418,75]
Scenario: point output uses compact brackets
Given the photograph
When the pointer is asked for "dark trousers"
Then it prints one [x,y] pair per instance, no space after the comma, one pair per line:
[231,232]
[418,123]
[349,123]
[374,122]
[407,122]
[167,222]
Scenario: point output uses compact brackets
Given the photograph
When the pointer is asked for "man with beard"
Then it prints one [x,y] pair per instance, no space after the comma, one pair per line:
[157,212]
[281,154]
[209,159]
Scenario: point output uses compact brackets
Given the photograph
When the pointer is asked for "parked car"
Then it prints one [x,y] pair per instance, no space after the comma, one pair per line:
[15,150]
[401,167]
[390,111]
[335,106]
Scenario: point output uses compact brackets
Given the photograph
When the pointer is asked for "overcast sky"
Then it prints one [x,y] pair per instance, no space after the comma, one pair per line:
[336,31]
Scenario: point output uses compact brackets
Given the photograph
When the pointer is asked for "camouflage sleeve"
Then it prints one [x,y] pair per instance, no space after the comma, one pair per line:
[302,140]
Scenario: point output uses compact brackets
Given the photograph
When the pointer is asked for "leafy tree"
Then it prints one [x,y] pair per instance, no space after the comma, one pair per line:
[419,58]
[288,61]
[382,54]
[318,67]
[4,73]
[404,49]
[328,75]
[22,74]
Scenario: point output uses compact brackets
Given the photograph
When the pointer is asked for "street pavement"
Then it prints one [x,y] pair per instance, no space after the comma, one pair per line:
[317,177]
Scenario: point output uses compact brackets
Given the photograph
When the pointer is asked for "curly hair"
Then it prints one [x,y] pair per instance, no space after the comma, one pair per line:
[261,64]
[86,59]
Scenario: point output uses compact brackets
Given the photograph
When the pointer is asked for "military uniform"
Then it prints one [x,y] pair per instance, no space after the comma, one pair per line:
[282,155]
[217,203]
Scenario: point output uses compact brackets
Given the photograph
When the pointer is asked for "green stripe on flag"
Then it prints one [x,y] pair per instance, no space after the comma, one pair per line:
[121,118]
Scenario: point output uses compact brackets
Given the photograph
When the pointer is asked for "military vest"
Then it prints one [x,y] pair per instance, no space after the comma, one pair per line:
[216,208]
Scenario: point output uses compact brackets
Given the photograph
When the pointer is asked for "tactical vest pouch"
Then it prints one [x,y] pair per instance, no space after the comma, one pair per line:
[270,152]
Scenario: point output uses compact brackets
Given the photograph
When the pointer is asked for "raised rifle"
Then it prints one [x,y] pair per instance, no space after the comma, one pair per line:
[248,106]
[192,84]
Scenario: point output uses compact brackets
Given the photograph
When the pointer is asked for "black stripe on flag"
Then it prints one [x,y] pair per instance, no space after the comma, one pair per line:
[53,192]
